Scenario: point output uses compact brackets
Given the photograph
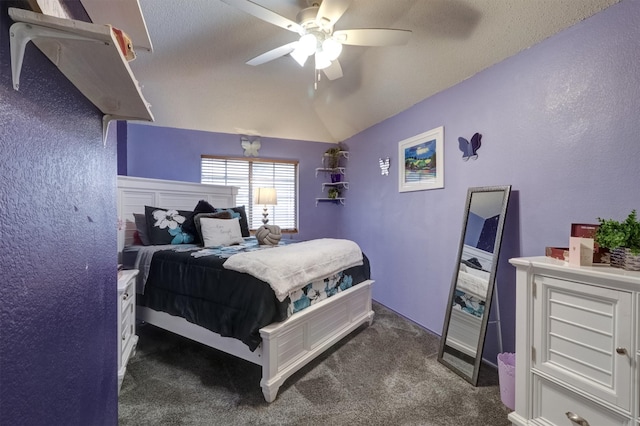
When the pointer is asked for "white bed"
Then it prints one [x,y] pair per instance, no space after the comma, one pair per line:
[286,346]
[464,328]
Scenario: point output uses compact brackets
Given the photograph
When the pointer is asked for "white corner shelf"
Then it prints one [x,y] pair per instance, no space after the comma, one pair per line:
[339,186]
[344,154]
[344,185]
[88,55]
[334,200]
[340,170]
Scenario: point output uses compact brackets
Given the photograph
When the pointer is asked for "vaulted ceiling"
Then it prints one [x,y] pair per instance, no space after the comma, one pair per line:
[197,78]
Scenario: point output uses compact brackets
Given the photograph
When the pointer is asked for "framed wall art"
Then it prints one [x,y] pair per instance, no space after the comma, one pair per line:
[421,164]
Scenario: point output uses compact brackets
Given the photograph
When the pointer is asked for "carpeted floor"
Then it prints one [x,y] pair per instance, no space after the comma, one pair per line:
[384,374]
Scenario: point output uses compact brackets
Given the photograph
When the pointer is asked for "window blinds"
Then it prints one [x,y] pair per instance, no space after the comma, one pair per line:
[248,175]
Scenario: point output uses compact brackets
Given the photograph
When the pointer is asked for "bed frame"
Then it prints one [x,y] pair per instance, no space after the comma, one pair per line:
[286,346]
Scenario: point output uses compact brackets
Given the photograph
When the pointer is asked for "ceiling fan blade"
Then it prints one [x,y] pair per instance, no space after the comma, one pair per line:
[273,54]
[333,71]
[331,10]
[373,37]
[265,14]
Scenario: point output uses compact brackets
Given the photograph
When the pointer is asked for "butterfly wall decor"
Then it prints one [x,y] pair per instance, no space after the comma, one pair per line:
[469,149]
[250,147]
[384,166]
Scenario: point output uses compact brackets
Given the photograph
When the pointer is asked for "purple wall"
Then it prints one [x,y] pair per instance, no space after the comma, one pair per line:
[559,123]
[58,242]
[167,153]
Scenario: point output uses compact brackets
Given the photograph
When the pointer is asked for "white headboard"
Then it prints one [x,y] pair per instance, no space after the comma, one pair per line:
[134,193]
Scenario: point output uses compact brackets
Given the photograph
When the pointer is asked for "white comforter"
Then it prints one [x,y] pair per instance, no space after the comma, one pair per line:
[289,268]
[473,282]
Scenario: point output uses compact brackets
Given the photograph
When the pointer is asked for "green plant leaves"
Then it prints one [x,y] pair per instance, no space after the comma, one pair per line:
[612,233]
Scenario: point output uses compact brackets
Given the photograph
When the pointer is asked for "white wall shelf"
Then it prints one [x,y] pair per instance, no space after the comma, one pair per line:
[344,154]
[334,194]
[344,185]
[88,55]
[124,15]
[334,200]
[340,170]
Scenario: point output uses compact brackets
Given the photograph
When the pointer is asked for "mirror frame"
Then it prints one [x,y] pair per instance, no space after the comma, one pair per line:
[473,379]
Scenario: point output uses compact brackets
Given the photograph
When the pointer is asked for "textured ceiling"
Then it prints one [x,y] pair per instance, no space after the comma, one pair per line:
[196,77]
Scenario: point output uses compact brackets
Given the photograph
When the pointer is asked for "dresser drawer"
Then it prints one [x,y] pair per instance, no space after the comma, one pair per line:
[128,306]
[127,299]
[552,402]
[126,320]
[126,330]
[577,330]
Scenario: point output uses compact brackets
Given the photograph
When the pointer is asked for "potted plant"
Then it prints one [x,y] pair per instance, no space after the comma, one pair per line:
[622,239]
[332,156]
[334,193]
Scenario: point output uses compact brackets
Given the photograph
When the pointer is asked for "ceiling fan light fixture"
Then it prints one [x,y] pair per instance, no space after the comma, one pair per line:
[332,48]
[299,56]
[307,44]
[322,60]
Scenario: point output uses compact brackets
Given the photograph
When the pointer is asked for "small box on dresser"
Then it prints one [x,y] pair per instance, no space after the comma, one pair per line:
[127,339]
[577,344]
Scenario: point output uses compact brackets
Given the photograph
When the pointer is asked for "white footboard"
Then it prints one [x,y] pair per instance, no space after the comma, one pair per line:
[286,346]
[290,345]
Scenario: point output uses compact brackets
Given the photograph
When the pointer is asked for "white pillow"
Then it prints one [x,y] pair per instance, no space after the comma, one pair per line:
[220,232]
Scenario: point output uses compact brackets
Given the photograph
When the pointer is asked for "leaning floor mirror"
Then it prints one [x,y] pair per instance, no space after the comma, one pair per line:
[467,313]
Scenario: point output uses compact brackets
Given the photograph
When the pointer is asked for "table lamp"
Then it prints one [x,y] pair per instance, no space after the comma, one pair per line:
[266,197]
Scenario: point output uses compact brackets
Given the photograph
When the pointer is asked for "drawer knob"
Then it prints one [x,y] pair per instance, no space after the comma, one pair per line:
[621,351]
[576,419]
[125,296]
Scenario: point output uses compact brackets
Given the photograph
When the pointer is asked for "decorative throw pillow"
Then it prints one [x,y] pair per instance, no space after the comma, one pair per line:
[241,214]
[220,232]
[141,226]
[199,216]
[165,226]
[189,225]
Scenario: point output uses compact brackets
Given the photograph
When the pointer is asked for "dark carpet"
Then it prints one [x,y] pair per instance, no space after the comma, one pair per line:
[383,374]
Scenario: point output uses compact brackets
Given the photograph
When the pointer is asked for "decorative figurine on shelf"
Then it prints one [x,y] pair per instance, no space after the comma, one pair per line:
[269,235]
[469,149]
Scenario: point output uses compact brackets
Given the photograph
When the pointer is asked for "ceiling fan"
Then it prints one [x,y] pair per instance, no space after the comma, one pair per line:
[315,26]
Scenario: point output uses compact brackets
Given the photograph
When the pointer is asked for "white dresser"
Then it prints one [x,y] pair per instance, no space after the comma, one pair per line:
[577,344]
[127,340]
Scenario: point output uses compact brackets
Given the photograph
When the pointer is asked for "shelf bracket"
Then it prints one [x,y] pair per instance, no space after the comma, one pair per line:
[106,119]
[21,33]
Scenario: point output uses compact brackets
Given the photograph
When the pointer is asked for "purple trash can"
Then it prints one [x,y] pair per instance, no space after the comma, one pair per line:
[507,379]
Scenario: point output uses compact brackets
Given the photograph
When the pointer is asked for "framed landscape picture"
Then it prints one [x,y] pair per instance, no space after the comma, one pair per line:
[421,164]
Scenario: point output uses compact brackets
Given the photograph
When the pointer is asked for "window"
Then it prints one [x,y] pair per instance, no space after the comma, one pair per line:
[248,175]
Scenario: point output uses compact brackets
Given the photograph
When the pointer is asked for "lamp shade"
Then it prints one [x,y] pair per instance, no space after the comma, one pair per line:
[266,196]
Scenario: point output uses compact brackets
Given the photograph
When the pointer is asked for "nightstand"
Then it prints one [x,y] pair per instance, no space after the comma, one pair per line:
[127,339]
